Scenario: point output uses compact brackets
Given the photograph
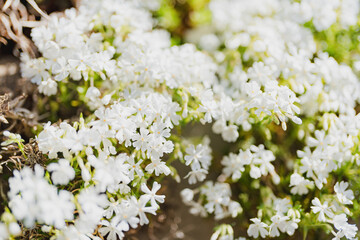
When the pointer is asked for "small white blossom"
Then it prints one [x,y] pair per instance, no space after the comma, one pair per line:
[62,172]
[257,228]
[151,194]
[323,209]
[344,196]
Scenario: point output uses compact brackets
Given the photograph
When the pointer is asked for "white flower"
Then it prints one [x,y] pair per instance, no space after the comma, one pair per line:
[291,226]
[321,140]
[92,201]
[158,166]
[14,229]
[141,140]
[299,184]
[196,175]
[235,208]
[187,195]
[62,172]
[92,93]
[4,235]
[112,230]
[197,155]
[135,168]
[151,195]
[322,209]
[230,133]
[113,207]
[48,87]
[60,68]
[341,224]
[344,196]
[278,223]
[257,228]
[338,235]
[282,205]
[110,171]
[72,232]
[50,141]
[127,216]
[255,172]
[141,208]
[233,166]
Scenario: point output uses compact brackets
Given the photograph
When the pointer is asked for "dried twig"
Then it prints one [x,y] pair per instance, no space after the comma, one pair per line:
[13,18]
[4,107]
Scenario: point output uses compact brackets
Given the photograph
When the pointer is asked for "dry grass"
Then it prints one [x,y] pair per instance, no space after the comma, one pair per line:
[14,17]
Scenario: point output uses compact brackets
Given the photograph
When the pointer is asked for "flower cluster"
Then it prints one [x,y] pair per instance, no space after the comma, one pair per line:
[285,220]
[199,159]
[33,199]
[327,151]
[213,198]
[256,65]
[270,56]
[256,157]
[141,125]
[71,46]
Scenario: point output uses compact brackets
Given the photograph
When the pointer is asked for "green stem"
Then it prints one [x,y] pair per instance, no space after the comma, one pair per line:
[21,148]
